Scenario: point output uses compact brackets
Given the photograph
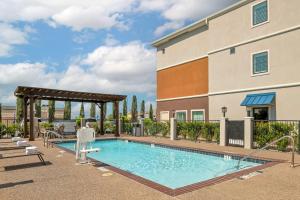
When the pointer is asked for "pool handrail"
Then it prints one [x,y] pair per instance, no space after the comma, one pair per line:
[266,146]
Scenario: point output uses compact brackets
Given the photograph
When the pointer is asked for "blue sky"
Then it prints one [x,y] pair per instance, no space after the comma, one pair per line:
[100,46]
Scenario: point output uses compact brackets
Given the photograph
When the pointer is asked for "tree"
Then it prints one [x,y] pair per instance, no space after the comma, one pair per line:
[81,113]
[125,107]
[38,108]
[0,113]
[134,112]
[104,111]
[151,112]
[19,110]
[51,111]
[93,110]
[67,110]
[143,109]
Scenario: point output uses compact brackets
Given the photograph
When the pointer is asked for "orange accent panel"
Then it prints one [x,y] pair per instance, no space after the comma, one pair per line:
[186,79]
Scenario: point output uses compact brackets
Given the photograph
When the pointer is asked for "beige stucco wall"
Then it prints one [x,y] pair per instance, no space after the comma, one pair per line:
[187,47]
[234,72]
[236,26]
[287,104]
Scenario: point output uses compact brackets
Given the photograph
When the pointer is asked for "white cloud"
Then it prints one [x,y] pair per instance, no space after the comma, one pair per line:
[177,12]
[110,40]
[76,14]
[168,26]
[127,68]
[84,37]
[10,36]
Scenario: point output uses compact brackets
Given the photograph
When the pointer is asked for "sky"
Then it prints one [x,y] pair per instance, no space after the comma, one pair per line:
[92,45]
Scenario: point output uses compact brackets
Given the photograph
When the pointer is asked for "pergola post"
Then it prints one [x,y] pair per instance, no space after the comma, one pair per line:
[102,119]
[31,119]
[25,99]
[116,109]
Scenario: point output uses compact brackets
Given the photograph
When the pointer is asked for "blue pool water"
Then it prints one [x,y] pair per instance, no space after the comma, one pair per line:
[169,167]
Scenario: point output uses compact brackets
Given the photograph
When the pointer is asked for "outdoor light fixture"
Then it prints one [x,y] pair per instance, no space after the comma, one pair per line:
[224,110]
[173,113]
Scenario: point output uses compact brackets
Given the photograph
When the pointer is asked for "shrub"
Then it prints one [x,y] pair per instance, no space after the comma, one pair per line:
[95,126]
[126,125]
[153,128]
[12,129]
[194,130]
[181,129]
[163,128]
[2,130]
[208,132]
[109,126]
[268,132]
[46,125]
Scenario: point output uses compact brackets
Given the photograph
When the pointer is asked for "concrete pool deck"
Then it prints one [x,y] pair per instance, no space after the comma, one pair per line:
[61,178]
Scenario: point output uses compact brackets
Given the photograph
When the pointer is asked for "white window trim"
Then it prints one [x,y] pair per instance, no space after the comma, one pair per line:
[256,25]
[252,70]
[179,111]
[164,112]
[195,110]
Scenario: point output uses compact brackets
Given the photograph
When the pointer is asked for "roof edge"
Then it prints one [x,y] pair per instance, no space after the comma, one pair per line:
[199,23]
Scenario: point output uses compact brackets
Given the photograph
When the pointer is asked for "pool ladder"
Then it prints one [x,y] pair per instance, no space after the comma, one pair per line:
[266,146]
[53,133]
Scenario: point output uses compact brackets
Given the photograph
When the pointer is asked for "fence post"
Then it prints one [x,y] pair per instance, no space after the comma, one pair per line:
[142,126]
[223,132]
[298,143]
[248,132]
[173,125]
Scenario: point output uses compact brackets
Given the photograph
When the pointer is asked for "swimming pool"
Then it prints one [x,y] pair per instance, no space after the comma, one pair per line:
[173,168]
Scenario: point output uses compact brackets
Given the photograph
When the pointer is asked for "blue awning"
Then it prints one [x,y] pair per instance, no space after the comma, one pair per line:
[259,99]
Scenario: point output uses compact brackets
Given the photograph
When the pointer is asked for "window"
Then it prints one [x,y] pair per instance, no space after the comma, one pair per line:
[164,116]
[261,113]
[197,115]
[232,50]
[181,115]
[260,13]
[260,63]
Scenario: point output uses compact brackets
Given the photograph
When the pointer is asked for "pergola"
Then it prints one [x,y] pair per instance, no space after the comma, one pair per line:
[30,94]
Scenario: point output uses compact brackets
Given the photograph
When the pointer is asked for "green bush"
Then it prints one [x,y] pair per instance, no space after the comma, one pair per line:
[163,128]
[46,125]
[12,129]
[95,126]
[126,125]
[194,130]
[268,132]
[181,129]
[2,129]
[153,128]
[109,126]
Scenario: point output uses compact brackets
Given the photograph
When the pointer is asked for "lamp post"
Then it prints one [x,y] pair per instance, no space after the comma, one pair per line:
[224,110]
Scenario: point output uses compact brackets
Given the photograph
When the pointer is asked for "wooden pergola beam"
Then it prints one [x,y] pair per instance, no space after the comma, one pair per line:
[33,93]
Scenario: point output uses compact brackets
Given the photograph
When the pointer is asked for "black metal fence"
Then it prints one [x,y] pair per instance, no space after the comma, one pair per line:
[266,131]
[235,130]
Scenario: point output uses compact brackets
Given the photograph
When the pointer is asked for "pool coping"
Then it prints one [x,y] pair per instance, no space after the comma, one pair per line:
[188,188]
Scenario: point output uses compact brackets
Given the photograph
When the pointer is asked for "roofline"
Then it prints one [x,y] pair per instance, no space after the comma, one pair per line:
[199,23]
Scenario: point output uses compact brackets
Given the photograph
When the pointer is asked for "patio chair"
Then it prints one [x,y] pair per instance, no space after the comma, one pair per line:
[20,144]
[69,128]
[29,151]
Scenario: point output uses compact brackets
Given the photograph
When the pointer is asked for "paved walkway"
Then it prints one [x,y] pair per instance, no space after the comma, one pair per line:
[25,178]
